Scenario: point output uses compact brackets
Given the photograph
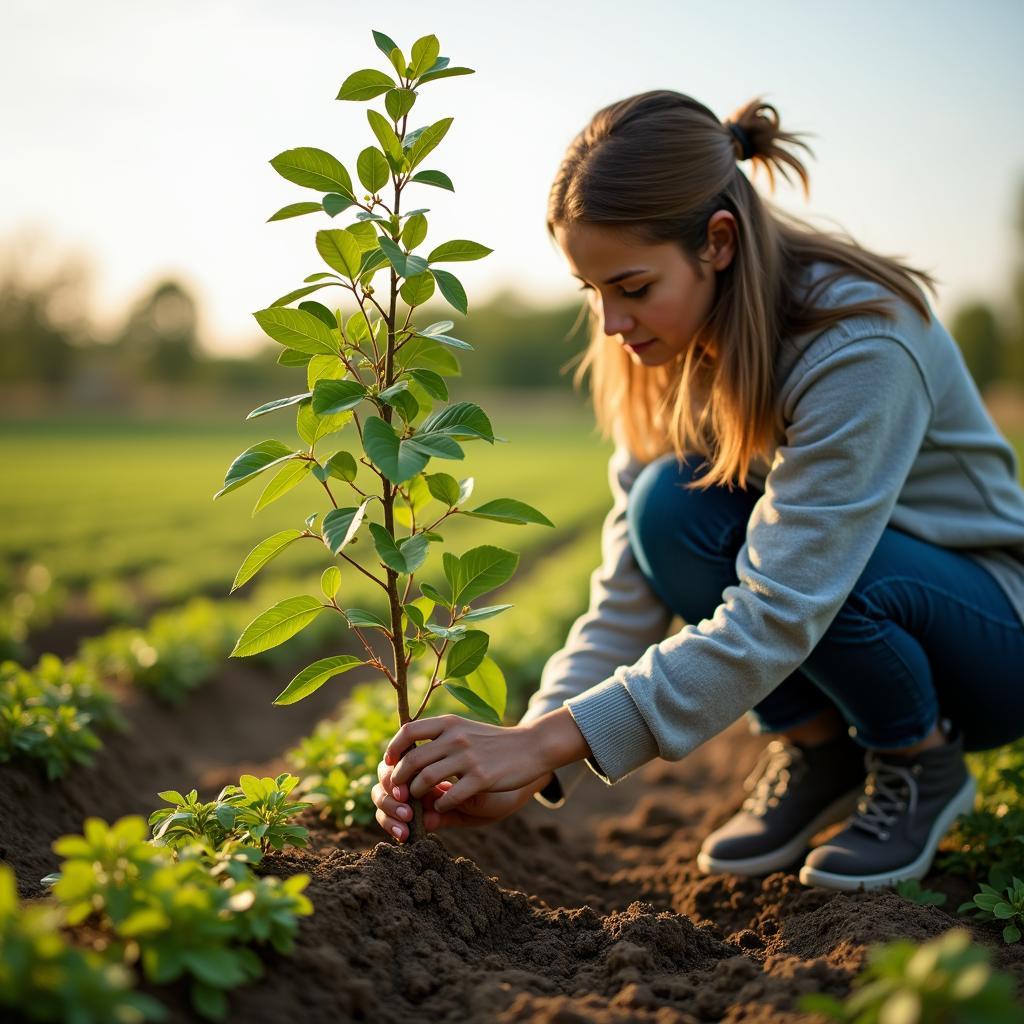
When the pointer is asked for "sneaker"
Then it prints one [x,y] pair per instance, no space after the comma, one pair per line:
[795,791]
[908,805]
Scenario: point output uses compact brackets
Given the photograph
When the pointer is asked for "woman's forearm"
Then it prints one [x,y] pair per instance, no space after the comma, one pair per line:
[558,738]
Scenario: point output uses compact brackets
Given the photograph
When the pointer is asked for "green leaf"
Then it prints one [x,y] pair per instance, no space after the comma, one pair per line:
[509,510]
[452,290]
[260,555]
[443,487]
[252,462]
[438,446]
[428,140]
[459,250]
[389,141]
[485,613]
[297,329]
[341,466]
[289,357]
[431,382]
[396,459]
[313,168]
[372,169]
[290,475]
[278,403]
[277,624]
[398,103]
[321,312]
[467,654]
[365,617]
[387,549]
[384,43]
[414,231]
[335,203]
[474,703]
[295,210]
[311,426]
[365,84]
[462,420]
[330,581]
[436,178]
[1011,933]
[340,250]
[209,1002]
[341,525]
[430,76]
[479,570]
[405,264]
[334,396]
[418,289]
[424,53]
[312,677]
[434,595]
[488,682]
[286,300]
[407,406]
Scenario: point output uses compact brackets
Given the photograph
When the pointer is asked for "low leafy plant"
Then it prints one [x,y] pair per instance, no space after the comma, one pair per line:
[256,812]
[383,373]
[945,979]
[44,978]
[911,889]
[993,833]
[1000,899]
[189,913]
[50,713]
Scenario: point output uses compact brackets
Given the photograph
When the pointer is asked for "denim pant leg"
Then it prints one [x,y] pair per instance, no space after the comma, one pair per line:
[925,629]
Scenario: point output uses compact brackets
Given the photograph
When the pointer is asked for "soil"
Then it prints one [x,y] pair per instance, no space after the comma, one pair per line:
[594,912]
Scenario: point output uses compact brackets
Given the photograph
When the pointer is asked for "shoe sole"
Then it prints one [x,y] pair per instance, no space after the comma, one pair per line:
[962,803]
[782,856]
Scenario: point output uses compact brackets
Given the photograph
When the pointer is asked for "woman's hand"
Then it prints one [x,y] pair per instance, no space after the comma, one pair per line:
[484,758]
[394,815]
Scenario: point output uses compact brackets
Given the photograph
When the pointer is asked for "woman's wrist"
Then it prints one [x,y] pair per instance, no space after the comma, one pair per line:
[558,740]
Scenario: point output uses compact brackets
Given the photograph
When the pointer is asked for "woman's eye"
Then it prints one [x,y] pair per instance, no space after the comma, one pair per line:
[638,294]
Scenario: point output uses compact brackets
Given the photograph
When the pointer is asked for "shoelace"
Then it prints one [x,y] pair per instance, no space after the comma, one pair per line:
[777,765]
[885,789]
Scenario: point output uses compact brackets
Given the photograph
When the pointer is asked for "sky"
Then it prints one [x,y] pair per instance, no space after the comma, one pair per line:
[139,135]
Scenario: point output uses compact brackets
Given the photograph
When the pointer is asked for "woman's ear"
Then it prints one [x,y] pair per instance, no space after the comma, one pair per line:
[722,234]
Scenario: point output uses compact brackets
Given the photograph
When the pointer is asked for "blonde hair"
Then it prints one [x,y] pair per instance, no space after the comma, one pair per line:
[654,167]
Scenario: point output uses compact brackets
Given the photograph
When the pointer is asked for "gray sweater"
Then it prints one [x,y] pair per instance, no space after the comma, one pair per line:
[884,426]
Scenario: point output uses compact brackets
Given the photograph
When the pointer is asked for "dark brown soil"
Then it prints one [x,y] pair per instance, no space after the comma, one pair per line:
[594,912]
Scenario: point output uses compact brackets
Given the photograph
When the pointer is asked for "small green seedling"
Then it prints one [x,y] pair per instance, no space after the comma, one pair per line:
[910,889]
[1001,899]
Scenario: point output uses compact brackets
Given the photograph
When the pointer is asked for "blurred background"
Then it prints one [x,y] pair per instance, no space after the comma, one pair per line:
[135,247]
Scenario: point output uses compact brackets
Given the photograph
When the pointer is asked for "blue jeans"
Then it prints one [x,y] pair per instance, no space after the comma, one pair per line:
[926,631]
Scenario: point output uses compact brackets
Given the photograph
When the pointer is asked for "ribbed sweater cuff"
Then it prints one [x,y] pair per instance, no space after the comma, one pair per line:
[614,729]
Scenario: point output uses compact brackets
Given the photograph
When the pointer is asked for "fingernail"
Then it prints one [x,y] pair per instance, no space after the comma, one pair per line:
[404,812]
[396,792]
[396,831]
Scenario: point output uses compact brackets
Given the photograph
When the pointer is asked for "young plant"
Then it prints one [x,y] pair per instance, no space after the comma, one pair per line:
[1001,899]
[946,979]
[255,813]
[384,373]
[911,889]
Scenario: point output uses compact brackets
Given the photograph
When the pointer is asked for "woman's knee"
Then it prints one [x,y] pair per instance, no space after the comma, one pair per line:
[665,515]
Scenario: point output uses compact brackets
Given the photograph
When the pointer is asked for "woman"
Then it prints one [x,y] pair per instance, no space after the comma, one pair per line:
[805,473]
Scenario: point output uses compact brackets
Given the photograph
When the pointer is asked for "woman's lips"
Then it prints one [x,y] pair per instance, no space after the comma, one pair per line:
[637,345]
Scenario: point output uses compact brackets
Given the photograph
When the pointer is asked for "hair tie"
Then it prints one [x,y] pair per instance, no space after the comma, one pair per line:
[746,149]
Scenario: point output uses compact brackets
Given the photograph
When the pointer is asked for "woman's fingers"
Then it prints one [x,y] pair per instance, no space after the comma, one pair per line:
[391,815]
[384,774]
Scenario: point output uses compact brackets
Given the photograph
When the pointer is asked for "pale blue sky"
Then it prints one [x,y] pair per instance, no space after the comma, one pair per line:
[140,134]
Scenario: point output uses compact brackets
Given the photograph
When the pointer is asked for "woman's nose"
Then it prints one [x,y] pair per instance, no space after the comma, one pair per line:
[616,322]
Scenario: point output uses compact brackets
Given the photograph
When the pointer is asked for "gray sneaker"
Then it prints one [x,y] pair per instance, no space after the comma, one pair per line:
[908,805]
[795,791]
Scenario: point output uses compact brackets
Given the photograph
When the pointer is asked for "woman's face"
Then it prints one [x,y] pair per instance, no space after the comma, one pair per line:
[650,297]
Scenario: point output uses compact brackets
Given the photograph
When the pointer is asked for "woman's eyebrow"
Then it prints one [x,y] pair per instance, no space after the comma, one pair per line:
[619,277]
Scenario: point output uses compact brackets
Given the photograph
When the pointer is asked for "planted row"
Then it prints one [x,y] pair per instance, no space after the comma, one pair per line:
[184,905]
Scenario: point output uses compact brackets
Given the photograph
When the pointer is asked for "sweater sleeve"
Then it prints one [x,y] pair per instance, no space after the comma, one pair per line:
[856,419]
[623,619]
